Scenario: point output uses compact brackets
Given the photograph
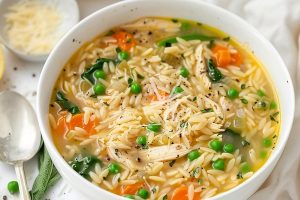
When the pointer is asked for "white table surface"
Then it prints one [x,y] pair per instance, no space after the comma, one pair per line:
[22,76]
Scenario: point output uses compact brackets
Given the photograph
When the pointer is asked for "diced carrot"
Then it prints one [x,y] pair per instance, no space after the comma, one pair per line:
[153,97]
[223,57]
[236,59]
[196,196]
[125,40]
[131,189]
[180,193]
[76,121]
[62,126]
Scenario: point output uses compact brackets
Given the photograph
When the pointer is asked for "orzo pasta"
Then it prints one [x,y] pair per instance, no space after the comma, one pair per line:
[164,109]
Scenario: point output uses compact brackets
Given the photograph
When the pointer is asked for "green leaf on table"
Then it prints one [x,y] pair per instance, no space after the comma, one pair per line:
[47,177]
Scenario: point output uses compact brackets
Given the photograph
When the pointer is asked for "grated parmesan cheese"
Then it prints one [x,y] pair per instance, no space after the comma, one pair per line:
[31,26]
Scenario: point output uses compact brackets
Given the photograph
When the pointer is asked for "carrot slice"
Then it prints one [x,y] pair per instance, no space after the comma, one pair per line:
[223,57]
[153,97]
[236,59]
[77,121]
[131,189]
[180,193]
[125,40]
[62,126]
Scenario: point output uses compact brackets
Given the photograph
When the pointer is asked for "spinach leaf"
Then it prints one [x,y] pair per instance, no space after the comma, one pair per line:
[214,73]
[88,74]
[65,104]
[83,165]
[207,110]
[231,137]
[47,177]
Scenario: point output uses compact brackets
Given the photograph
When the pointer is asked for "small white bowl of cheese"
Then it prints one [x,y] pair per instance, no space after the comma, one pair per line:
[31,28]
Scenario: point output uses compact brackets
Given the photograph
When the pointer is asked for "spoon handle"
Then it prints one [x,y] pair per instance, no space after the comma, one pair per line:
[24,195]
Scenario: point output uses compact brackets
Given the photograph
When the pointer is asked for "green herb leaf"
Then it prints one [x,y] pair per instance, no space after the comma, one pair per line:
[214,73]
[172,163]
[226,38]
[47,177]
[243,86]
[239,175]
[207,110]
[273,117]
[244,101]
[88,74]
[65,104]
[83,165]
[167,42]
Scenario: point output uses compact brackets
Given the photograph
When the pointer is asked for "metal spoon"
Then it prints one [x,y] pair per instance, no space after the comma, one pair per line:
[19,134]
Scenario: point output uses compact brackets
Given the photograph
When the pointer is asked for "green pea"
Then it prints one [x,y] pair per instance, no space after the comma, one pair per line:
[13,187]
[135,88]
[260,93]
[123,55]
[215,145]
[154,127]
[177,90]
[99,89]
[193,155]
[184,72]
[114,168]
[141,140]
[263,154]
[99,74]
[245,167]
[273,105]
[219,164]
[228,148]
[143,193]
[232,93]
[267,142]
[128,196]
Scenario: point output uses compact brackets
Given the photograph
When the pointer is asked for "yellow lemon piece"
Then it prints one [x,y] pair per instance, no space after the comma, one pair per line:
[2,62]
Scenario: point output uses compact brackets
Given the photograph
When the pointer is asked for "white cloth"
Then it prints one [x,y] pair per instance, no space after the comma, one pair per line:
[279,22]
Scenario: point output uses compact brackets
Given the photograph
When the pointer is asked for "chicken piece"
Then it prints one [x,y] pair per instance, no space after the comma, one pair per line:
[217,109]
[200,68]
[138,159]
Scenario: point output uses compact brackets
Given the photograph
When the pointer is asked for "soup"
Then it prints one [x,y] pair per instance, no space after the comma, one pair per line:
[164,109]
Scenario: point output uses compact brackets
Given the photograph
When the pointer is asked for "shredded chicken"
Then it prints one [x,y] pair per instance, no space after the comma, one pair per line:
[201,70]
[138,159]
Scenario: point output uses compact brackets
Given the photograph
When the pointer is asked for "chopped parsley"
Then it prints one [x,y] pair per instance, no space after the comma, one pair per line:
[274,116]
[207,110]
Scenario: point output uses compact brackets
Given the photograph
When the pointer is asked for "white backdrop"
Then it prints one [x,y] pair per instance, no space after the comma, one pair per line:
[277,20]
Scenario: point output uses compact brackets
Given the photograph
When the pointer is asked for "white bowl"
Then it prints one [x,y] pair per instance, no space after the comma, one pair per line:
[196,10]
[70,16]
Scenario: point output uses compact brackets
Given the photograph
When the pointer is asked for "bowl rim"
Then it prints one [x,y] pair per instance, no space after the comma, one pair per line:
[274,157]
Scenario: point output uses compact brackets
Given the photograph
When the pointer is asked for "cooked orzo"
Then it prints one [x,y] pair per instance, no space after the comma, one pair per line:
[164,109]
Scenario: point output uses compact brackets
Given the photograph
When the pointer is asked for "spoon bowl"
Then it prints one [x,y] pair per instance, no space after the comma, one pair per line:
[19,134]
